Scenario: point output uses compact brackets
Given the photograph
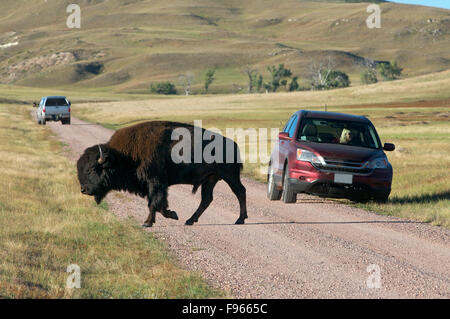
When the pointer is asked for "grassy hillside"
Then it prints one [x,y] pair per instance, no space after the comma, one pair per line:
[126,44]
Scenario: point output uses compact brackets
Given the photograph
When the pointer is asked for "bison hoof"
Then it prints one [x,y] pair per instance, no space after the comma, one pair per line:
[170,214]
[189,222]
[173,215]
[240,221]
[147,225]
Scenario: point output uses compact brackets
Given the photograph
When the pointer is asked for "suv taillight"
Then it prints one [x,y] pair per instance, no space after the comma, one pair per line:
[43,109]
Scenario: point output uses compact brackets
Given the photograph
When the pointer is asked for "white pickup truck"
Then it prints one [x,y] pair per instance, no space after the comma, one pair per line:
[53,108]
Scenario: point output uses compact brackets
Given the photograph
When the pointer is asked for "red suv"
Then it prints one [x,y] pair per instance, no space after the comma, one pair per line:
[330,155]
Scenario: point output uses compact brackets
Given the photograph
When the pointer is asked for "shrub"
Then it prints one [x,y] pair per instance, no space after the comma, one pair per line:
[335,79]
[390,71]
[369,77]
[163,88]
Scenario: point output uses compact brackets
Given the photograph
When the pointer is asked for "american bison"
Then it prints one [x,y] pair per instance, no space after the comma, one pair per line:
[141,159]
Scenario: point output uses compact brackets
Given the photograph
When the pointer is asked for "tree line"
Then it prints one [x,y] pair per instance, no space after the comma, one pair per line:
[321,76]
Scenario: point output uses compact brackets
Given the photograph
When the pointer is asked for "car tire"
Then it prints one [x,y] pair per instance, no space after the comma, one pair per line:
[288,196]
[273,193]
[381,198]
[43,121]
[65,122]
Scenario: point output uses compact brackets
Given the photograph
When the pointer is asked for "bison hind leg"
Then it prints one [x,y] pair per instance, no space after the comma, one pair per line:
[239,190]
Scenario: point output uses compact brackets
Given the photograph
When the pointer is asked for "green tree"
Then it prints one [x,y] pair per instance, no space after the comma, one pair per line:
[334,79]
[259,83]
[278,73]
[163,88]
[251,74]
[267,86]
[293,86]
[390,71]
[209,78]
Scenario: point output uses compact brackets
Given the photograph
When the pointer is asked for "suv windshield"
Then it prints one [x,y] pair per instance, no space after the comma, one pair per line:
[338,132]
[56,102]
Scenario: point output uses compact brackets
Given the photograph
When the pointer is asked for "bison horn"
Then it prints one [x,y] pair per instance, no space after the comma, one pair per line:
[101,160]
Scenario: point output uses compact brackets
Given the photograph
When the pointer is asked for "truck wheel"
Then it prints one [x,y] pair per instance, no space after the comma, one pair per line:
[43,121]
[288,196]
[272,190]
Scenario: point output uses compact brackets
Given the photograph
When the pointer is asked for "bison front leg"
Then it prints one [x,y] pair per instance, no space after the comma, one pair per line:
[207,198]
[157,202]
[151,217]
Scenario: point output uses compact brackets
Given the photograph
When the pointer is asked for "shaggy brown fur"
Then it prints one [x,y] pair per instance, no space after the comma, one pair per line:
[138,159]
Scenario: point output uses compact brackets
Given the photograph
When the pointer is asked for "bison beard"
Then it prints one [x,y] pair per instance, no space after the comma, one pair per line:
[138,159]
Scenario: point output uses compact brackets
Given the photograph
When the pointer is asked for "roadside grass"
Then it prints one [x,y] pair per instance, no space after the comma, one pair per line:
[421,162]
[413,114]
[47,225]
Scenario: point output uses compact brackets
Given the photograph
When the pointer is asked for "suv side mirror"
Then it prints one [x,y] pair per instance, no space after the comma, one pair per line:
[388,147]
[284,136]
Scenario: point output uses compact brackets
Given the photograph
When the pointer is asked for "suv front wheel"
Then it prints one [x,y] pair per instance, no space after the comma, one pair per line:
[273,193]
[288,196]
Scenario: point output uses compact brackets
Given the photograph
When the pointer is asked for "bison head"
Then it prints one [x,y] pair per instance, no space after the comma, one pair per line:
[95,171]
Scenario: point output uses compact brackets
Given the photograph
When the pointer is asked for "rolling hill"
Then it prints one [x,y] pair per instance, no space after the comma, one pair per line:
[124,45]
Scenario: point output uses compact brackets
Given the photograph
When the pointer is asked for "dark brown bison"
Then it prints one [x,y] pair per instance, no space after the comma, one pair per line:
[141,159]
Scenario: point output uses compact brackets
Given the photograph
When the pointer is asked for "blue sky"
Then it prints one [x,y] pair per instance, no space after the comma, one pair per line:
[430,3]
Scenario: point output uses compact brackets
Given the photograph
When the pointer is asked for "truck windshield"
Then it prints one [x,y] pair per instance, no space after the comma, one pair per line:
[56,102]
[338,132]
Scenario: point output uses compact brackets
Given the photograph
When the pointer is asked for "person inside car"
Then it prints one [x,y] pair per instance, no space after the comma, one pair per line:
[350,137]
[346,136]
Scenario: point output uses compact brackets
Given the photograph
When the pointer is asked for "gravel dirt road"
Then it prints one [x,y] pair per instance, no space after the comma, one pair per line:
[312,249]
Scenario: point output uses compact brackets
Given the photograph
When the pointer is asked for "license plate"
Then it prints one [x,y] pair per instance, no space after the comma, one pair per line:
[343,178]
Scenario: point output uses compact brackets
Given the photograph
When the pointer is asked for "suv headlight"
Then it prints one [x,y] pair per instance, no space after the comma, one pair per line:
[380,162]
[307,156]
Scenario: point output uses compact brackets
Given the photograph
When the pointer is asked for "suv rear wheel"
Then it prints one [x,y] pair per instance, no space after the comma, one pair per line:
[288,196]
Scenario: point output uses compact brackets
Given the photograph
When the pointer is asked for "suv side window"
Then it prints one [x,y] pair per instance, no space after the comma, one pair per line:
[293,126]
